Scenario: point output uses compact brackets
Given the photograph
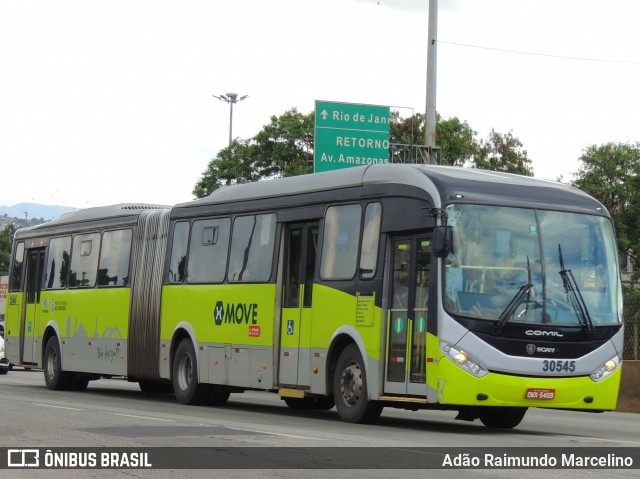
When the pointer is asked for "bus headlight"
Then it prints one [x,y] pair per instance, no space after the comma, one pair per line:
[464,360]
[606,369]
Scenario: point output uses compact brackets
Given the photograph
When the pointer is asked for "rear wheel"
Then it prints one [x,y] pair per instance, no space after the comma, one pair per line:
[185,376]
[80,382]
[219,396]
[501,417]
[54,377]
[350,389]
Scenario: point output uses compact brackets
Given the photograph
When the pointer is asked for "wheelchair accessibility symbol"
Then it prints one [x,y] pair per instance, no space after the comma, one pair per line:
[290,327]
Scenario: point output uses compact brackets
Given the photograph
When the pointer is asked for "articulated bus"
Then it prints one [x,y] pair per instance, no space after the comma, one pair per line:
[407,286]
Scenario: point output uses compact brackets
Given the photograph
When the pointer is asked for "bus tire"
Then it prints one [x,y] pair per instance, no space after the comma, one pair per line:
[501,417]
[80,382]
[350,389]
[154,387]
[219,396]
[185,376]
[54,377]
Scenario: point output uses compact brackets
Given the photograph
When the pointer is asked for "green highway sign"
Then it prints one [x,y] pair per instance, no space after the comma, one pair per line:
[350,134]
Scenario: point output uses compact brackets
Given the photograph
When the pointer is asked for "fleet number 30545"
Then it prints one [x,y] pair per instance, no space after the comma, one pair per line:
[559,366]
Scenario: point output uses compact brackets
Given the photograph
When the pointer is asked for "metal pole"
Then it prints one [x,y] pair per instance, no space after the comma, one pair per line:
[230,98]
[430,114]
[231,121]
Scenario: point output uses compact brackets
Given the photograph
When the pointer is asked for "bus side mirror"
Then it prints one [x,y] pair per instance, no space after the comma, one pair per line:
[441,241]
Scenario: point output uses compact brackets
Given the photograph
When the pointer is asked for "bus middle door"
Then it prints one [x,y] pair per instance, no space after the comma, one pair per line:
[406,366]
[301,241]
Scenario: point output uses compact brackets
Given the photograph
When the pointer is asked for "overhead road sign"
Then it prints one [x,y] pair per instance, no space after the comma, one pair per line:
[350,134]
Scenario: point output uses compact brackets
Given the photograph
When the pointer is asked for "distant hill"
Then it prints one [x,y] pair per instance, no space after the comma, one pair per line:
[34,210]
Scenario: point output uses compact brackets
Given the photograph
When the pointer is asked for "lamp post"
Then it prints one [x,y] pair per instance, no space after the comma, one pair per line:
[230,98]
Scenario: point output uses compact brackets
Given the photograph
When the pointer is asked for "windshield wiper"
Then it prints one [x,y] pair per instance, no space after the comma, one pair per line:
[573,291]
[517,300]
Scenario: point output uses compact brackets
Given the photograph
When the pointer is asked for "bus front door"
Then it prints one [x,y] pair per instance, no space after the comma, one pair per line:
[301,242]
[31,311]
[405,371]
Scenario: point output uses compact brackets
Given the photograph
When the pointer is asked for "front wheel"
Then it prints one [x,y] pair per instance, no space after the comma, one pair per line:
[185,376]
[350,389]
[501,417]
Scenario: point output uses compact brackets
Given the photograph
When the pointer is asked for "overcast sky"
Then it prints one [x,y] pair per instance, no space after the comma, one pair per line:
[106,102]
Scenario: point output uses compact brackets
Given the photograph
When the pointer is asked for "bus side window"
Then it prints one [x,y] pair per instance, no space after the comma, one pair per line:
[340,243]
[84,260]
[370,239]
[178,261]
[208,251]
[252,245]
[16,272]
[57,273]
[114,258]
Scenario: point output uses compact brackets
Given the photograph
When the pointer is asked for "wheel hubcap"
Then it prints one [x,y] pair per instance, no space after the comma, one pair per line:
[351,384]
[51,364]
[184,372]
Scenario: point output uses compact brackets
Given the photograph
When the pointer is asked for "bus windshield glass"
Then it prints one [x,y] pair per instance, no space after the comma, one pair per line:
[526,265]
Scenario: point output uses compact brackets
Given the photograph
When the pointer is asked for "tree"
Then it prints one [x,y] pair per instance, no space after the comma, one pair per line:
[6,240]
[284,147]
[233,164]
[502,152]
[456,140]
[611,174]
[454,137]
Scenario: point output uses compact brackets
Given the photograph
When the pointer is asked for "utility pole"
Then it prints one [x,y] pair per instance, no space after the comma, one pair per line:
[230,98]
[430,114]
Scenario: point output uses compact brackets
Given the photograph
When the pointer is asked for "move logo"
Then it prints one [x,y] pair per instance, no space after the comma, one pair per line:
[235,313]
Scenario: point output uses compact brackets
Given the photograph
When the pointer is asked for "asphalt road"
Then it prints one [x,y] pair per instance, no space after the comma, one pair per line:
[113,413]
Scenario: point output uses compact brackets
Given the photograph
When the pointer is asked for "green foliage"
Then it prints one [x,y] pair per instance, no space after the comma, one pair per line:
[234,164]
[284,147]
[456,140]
[6,240]
[611,174]
[502,152]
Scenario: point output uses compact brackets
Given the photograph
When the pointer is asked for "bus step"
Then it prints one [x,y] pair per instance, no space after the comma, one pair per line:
[291,393]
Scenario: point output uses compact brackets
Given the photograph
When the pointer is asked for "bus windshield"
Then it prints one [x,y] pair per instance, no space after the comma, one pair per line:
[525,265]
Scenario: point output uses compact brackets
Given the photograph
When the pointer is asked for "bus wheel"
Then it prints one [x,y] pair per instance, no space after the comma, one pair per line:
[80,382]
[501,417]
[153,387]
[55,378]
[350,389]
[219,396]
[185,376]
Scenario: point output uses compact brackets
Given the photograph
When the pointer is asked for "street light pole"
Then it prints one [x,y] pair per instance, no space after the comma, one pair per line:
[230,98]
[430,114]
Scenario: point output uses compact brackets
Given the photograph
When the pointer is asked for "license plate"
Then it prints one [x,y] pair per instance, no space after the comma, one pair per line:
[545,394]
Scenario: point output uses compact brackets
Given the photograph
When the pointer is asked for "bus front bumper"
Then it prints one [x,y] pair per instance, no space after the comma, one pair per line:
[458,387]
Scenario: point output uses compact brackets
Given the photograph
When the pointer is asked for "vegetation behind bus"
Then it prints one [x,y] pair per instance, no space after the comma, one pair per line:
[284,148]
